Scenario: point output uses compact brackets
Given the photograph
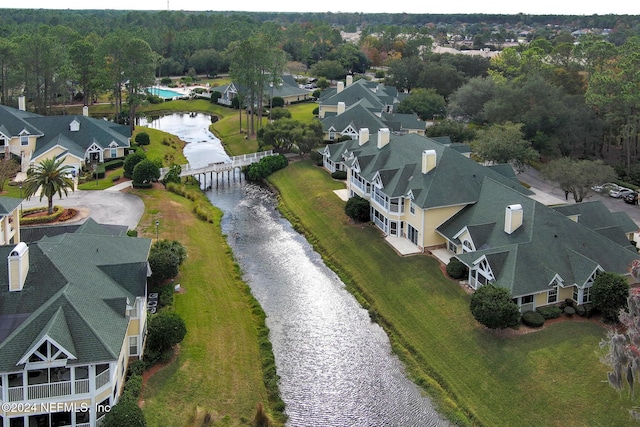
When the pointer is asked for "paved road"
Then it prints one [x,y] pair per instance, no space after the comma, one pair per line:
[532,177]
[105,207]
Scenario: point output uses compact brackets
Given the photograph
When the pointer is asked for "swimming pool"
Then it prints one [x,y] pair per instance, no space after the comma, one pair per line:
[164,93]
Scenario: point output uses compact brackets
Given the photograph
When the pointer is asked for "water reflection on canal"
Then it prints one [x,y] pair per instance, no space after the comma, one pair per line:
[336,367]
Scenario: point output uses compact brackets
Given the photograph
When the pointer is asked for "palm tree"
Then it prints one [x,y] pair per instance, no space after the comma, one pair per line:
[50,175]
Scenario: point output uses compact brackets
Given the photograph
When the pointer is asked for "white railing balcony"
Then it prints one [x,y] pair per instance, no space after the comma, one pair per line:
[42,391]
[380,224]
[358,184]
[384,204]
[82,386]
[102,379]
[16,394]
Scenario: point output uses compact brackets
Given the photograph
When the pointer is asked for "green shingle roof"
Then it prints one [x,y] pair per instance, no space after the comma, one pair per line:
[547,243]
[76,293]
[455,180]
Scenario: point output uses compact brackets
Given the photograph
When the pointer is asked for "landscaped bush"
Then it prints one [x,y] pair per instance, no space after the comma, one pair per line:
[143,138]
[25,219]
[316,158]
[581,311]
[266,166]
[142,184]
[549,312]
[154,99]
[131,161]
[113,164]
[569,311]
[280,113]
[532,319]
[357,208]
[215,95]
[341,175]
[135,368]
[166,81]
[457,270]
[277,101]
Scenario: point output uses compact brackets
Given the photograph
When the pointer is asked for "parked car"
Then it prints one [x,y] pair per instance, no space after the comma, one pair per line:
[605,188]
[622,192]
[632,198]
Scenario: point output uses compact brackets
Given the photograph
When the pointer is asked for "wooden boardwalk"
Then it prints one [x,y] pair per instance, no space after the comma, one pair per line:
[235,162]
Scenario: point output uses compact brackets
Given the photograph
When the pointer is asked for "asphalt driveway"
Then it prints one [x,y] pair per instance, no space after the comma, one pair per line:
[105,207]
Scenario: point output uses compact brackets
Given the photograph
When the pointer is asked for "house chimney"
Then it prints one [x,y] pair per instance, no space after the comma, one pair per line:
[383,137]
[349,80]
[363,137]
[18,262]
[85,111]
[339,87]
[428,160]
[341,107]
[22,103]
[513,218]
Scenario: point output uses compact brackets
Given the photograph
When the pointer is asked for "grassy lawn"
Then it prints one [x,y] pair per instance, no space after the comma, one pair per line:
[551,377]
[218,368]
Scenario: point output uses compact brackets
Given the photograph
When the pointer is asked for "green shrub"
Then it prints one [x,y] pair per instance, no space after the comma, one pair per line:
[166,81]
[143,138]
[115,178]
[113,164]
[569,311]
[549,312]
[316,111]
[266,166]
[133,386]
[316,158]
[142,184]
[457,270]
[341,175]
[532,319]
[588,310]
[154,99]
[357,208]
[135,368]
[277,101]
[581,310]
[132,233]
[43,219]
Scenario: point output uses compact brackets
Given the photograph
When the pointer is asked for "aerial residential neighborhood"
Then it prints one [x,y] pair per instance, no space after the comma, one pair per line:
[502,148]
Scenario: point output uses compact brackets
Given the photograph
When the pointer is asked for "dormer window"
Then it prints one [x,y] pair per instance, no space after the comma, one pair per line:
[74,126]
[24,139]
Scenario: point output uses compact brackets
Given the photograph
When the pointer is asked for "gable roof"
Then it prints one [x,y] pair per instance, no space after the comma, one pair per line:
[91,131]
[355,92]
[13,122]
[455,180]
[358,116]
[547,243]
[75,293]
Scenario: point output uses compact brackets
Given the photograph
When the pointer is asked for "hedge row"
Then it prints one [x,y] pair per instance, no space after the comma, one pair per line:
[57,212]
[266,166]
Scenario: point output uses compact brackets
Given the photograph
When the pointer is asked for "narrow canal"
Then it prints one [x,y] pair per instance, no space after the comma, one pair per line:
[336,367]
